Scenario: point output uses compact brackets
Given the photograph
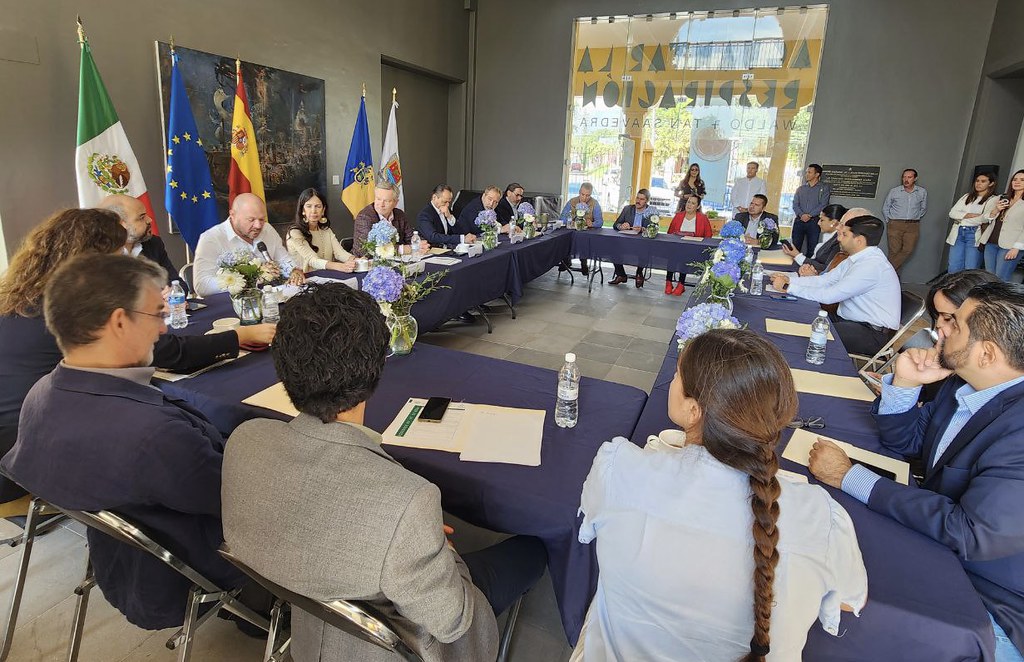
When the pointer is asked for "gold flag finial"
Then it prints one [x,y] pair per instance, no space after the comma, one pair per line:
[394,92]
[81,31]
[364,90]
[172,43]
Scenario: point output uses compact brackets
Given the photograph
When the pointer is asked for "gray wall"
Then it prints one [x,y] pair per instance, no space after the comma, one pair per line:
[897,87]
[341,42]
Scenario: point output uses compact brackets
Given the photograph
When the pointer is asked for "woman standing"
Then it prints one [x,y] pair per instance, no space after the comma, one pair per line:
[688,539]
[311,242]
[1004,239]
[691,222]
[691,184]
[971,211]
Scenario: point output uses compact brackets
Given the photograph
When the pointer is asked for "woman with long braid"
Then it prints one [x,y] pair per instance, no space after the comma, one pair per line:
[705,554]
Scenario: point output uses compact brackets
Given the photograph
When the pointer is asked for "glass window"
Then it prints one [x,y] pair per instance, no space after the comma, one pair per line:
[654,95]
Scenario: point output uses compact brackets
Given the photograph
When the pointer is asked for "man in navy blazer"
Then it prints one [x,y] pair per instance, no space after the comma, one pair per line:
[487,200]
[971,440]
[437,225]
[141,241]
[95,435]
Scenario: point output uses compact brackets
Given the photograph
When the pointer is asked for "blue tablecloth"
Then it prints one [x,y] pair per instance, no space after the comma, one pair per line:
[665,251]
[921,605]
[540,501]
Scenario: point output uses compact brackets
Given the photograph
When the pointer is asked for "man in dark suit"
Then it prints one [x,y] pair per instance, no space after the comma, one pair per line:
[970,439]
[754,216]
[633,217]
[506,209]
[436,223]
[152,459]
[383,208]
[139,226]
[488,200]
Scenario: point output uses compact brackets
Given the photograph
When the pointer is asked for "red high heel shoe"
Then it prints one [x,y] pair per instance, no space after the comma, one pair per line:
[668,287]
[680,288]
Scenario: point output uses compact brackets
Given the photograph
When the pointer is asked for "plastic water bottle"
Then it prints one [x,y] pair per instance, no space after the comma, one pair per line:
[271,308]
[567,408]
[757,279]
[819,336]
[415,243]
[748,257]
[176,300]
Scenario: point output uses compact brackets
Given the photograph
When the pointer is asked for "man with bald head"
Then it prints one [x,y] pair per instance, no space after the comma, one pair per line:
[828,245]
[141,241]
[245,227]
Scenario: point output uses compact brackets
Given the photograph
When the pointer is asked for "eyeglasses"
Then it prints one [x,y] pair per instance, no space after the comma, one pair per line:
[162,316]
[810,423]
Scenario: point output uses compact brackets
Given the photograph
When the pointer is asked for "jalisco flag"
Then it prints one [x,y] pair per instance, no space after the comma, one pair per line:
[104,161]
[245,175]
[391,170]
[357,187]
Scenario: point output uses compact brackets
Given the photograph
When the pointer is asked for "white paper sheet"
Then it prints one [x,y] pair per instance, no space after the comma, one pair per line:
[788,328]
[799,450]
[323,280]
[443,261]
[408,431]
[502,434]
[274,398]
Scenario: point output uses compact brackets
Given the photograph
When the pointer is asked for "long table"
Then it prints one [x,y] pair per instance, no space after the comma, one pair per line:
[921,605]
[540,501]
[665,251]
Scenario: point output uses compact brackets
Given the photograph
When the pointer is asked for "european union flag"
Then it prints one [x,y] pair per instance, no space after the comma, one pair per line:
[357,189]
[189,192]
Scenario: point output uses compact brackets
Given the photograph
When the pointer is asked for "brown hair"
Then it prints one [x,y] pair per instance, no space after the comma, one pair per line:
[62,236]
[745,391]
[86,290]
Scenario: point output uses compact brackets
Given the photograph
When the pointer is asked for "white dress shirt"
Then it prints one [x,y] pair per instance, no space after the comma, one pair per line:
[864,285]
[825,236]
[448,223]
[752,225]
[222,238]
[745,188]
[675,548]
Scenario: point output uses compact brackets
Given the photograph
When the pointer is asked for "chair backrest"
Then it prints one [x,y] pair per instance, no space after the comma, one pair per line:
[716,225]
[347,242]
[186,273]
[355,618]
[463,198]
[911,307]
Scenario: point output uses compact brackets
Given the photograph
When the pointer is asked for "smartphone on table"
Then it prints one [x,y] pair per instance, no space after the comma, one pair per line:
[434,410]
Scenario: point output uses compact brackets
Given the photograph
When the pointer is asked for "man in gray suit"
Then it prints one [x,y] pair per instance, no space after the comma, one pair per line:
[317,506]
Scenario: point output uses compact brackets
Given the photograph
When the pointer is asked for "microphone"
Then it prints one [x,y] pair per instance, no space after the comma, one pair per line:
[262,248]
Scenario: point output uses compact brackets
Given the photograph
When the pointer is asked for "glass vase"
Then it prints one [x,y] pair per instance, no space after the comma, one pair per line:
[529,231]
[404,330]
[248,305]
[490,241]
[725,301]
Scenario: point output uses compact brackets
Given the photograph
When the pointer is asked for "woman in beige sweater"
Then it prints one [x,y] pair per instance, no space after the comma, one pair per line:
[311,242]
[1003,239]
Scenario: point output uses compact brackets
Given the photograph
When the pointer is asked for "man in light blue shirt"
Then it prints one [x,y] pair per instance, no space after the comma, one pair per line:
[972,443]
[903,209]
[592,216]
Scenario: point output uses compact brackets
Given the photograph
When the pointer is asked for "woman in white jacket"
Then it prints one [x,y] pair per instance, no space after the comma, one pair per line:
[969,213]
[1004,238]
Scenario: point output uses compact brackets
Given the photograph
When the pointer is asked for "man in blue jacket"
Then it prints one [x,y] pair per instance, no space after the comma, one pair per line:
[437,225]
[972,442]
[94,434]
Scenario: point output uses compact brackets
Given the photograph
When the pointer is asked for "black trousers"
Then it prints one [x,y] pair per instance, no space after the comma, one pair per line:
[621,271]
[860,337]
[505,571]
[809,232]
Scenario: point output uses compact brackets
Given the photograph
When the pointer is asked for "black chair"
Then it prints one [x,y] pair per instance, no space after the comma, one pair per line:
[463,198]
[347,243]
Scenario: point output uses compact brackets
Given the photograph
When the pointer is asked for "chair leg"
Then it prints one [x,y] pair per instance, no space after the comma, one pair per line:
[27,538]
[81,605]
[275,624]
[510,624]
[188,630]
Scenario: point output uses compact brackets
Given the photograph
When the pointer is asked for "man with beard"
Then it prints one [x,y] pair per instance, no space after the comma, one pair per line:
[971,441]
[141,241]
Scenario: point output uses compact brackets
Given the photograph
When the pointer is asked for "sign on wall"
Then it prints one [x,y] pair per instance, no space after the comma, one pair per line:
[852,181]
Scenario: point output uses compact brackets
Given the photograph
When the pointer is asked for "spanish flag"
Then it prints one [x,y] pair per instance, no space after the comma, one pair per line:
[244,176]
[357,189]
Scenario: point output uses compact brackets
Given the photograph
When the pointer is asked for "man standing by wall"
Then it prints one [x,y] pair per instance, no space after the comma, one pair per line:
[745,188]
[808,202]
[903,209]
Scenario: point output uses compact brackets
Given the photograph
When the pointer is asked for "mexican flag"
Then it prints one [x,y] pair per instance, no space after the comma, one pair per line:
[104,161]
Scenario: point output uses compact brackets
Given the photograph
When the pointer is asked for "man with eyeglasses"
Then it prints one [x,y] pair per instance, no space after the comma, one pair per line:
[95,434]
[506,209]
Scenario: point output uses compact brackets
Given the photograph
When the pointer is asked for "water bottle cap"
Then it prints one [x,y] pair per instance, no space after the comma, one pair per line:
[570,357]
[822,313]
[175,282]
[268,288]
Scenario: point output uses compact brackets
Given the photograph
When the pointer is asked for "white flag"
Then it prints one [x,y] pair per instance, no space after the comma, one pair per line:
[391,171]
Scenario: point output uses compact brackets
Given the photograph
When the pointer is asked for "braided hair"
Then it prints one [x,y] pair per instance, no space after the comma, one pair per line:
[745,391]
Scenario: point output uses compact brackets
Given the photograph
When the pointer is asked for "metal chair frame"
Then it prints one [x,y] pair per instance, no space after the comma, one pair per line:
[908,318]
[187,274]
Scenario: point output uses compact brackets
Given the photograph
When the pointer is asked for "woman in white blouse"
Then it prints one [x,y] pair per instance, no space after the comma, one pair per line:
[706,554]
[1004,237]
[311,242]
[971,211]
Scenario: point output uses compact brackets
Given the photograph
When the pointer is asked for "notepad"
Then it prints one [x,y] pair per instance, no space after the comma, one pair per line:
[774,257]
[323,280]
[799,450]
[439,250]
[274,398]
[819,383]
[633,231]
[790,328]
[693,238]
[408,431]
[443,261]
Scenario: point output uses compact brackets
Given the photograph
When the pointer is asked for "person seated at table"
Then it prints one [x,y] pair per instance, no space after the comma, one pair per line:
[829,220]
[141,241]
[509,204]
[322,487]
[487,200]
[633,217]
[970,438]
[95,434]
[311,242]
[384,208]
[754,216]
[592,216]
[864,285]
[245,228]
[691,222]
[436,223]
[682,575]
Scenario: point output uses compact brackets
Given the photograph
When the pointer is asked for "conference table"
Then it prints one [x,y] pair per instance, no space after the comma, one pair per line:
[921,605]
[541,501]
[666,251]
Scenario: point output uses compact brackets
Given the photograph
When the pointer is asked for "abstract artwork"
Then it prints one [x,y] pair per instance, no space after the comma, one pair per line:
[287,112]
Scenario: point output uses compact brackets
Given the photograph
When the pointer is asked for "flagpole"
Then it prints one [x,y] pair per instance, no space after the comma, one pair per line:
[81,31]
